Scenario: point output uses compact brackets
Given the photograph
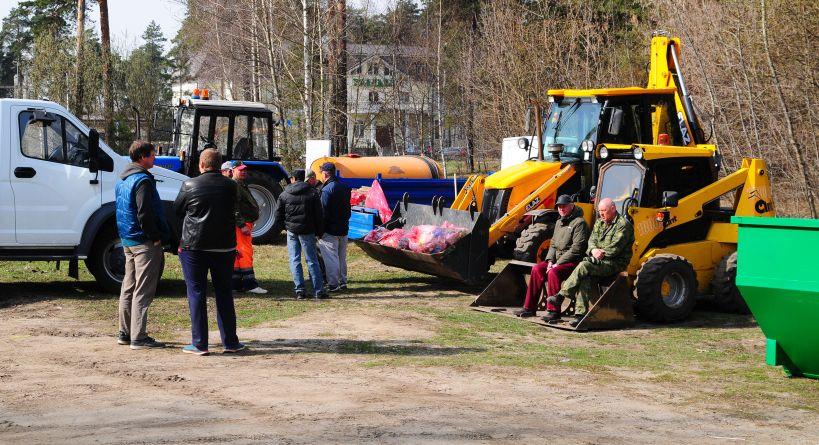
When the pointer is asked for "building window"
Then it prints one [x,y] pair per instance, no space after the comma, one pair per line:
[387,71]
[358,129]
[372,68]
[373,97]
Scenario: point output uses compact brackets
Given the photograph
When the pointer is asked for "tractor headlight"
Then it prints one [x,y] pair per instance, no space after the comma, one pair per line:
[523,143]
[604,152]
[638,153]
[587,145]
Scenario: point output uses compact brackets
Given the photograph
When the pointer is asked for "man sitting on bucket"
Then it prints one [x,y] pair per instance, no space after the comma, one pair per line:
[609,253]
[566,250]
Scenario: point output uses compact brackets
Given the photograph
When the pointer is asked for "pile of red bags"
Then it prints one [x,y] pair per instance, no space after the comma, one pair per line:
[427,239]
[358,196]
[373,198]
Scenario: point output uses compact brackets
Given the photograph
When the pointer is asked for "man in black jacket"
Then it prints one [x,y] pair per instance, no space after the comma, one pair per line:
[207,207]
[335,203]
[299,211]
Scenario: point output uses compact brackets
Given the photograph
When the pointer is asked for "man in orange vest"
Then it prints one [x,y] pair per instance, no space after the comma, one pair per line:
[247,211]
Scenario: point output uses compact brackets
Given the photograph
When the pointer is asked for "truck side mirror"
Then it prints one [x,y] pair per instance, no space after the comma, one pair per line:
[616,121]
[93,151]
[671,199]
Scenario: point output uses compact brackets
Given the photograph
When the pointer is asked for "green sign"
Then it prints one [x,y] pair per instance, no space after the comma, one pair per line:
[376,82]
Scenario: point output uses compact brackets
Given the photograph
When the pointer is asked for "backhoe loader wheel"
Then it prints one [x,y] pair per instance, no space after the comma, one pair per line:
[533,242]
[724,286]
[665,289]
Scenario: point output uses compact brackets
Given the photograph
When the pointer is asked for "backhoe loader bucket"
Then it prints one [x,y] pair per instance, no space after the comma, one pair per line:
[507,292]
[465,261]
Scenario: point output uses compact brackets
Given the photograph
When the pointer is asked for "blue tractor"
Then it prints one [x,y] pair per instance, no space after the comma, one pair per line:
[239,131]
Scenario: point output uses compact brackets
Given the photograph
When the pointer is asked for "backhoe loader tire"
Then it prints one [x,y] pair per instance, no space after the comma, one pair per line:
[724,286]
[665,289]
[266,192]
[532,244]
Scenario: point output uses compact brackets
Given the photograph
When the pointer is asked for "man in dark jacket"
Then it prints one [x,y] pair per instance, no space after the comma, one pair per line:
[335,204]
[298,210]
[207,207]
[568,244]
[143,229]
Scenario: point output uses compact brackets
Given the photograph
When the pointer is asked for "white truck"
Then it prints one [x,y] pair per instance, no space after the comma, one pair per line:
[57,191]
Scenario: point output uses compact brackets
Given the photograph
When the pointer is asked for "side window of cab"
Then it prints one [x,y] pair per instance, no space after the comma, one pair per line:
[51,137]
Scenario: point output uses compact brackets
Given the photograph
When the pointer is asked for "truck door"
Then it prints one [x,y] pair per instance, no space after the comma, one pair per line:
[50,180]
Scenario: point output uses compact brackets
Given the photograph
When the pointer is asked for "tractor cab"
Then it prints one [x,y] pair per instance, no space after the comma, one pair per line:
[238,130]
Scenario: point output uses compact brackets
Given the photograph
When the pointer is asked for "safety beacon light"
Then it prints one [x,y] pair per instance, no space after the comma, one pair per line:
[195,93]
[205,94]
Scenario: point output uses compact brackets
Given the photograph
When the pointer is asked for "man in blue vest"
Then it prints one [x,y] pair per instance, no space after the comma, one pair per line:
[143,230]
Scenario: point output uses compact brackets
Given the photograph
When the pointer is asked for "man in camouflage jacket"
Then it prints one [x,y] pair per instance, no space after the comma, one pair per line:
[609,253]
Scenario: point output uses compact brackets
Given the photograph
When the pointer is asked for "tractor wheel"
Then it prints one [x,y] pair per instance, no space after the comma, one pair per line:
[266,192]
[724,286]
[665,289]
[533,242]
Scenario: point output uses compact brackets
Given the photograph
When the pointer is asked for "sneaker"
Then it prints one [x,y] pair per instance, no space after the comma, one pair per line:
[123,338]
[300,295]
[257,290]
[343,286]
[146,343]
[336,288]
[323,295]
[524,313]
[234,349]
[191,349]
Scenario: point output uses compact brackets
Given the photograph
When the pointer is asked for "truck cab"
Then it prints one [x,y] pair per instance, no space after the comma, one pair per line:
[239,130]
[57,184]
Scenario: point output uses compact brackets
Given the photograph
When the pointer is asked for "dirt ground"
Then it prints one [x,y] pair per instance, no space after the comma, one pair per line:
[63,379]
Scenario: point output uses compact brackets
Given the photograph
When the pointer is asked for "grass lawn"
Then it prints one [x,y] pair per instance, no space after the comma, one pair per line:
[720,355]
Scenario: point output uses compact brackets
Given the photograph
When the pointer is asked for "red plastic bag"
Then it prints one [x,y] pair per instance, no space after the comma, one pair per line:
[358,196]
[393,238]
[377,200]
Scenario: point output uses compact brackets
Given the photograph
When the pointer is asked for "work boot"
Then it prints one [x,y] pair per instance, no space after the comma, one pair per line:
[576,320]
[524,313]
[556,301]
[551,316]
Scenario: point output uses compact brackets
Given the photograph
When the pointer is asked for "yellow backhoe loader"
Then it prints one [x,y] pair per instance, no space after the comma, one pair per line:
[510,213]
[684,243]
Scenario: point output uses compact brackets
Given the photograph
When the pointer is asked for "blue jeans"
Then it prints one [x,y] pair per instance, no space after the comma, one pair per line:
[195,267]
[296,244]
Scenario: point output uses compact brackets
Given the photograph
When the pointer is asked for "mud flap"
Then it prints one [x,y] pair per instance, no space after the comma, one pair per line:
[507,292]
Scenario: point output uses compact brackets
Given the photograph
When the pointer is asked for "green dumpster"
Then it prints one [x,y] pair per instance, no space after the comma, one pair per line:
[778,275]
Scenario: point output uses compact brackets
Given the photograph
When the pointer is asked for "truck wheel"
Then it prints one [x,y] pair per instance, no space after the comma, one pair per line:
[534,242]
[665,288]
[266,192]
[106,260]
[726,295]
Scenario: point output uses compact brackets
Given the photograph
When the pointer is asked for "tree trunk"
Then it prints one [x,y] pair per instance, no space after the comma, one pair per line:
[108,99]
[337,71]
[795,146]
[307,104]
[438,105]
[78,86]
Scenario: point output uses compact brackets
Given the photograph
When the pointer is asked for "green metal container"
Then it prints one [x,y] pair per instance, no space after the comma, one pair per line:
[778,275]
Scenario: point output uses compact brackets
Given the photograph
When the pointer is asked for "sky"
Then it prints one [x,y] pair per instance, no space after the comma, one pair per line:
[129,18]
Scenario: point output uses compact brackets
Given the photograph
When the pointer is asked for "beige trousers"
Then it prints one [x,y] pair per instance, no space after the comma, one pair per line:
[143,264]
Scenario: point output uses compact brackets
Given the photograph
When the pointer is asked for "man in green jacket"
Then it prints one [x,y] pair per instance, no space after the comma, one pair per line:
[609,253]
[565,251]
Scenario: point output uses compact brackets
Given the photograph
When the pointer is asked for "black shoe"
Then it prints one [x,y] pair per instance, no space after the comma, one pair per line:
[323,296]
[524,313]
[337,288]
[576,320]
[300,295]
[146,343]
[343,286]
[556,301]
[551,316]
[123,338]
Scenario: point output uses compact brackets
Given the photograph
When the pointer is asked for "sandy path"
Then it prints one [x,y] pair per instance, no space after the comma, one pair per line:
[65,381]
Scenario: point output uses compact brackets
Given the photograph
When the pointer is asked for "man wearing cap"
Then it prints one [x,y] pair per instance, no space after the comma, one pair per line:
[609,252]
[299,211]
[335,205]
[568,244]
[247,211]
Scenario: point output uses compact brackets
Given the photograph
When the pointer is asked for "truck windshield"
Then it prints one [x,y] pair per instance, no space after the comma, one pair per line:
[570,122]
